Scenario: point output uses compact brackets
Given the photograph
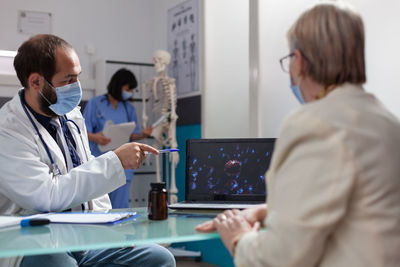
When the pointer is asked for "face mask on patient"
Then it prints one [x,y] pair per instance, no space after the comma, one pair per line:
[296,91]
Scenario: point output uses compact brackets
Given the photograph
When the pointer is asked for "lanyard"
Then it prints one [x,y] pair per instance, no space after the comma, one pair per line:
[55,169]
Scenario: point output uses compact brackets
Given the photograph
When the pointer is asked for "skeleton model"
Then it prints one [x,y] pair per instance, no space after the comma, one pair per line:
[160,92]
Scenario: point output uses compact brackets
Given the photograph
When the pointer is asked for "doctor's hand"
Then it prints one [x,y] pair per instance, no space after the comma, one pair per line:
[131,155]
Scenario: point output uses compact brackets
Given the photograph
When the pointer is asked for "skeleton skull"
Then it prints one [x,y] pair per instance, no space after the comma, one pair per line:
[161,59]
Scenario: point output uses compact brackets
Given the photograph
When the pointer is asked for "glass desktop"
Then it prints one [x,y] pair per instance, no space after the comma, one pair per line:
[56,238]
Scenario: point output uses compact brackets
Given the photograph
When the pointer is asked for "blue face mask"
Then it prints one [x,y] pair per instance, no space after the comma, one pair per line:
[68,97]
[296,91]
[126,95]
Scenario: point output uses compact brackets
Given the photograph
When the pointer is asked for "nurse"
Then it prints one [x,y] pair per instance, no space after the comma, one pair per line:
[114,106]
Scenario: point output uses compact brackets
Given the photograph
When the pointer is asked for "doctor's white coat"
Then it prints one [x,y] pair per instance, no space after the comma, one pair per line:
[27,184]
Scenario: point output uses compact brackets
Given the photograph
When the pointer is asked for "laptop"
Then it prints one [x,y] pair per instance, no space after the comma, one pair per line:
[226,173]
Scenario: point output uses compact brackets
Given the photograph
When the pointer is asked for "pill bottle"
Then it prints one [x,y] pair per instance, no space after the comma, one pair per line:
[157,207]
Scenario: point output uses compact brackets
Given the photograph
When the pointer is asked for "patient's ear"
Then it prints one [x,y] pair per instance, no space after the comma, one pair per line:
[298,64]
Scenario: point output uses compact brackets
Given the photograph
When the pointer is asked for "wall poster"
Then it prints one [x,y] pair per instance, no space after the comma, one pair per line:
[32,22]
[183,40]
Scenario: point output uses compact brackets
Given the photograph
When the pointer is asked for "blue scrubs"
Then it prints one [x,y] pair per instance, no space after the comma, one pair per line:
[97,111]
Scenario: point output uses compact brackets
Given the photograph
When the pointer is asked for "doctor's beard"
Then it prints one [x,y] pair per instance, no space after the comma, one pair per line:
[51,95]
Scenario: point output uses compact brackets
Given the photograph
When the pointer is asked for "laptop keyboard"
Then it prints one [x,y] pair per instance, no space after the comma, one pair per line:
[218,206]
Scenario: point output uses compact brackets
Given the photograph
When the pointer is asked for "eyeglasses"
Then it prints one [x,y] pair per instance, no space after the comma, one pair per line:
[285,61]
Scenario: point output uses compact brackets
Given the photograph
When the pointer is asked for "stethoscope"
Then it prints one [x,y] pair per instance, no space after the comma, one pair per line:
[54,167]
[101,114]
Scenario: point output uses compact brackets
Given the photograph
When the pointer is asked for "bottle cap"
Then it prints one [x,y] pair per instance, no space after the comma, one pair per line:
[158,185]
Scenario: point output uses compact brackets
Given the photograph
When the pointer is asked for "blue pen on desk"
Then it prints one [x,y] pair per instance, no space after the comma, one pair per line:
[34,222]
[168,150]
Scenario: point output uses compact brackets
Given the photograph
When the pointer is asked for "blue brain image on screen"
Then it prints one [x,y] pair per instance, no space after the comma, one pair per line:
[229,169]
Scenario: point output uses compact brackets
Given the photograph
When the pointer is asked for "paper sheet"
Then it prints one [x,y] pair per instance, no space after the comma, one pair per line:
[91,218]
[118,133]
[6,221]
[71,217]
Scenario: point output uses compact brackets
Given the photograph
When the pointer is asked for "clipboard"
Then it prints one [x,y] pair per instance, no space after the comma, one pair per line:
[110,218]
[89,218]
[118,133]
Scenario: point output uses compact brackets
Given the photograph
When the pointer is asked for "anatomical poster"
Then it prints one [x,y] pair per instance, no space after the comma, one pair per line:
[183,40]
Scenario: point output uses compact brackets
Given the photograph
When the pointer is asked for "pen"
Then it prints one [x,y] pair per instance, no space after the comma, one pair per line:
[34,222]
[168,150]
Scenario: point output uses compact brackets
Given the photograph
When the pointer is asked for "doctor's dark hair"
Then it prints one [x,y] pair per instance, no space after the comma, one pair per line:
[119,79]
[38,54]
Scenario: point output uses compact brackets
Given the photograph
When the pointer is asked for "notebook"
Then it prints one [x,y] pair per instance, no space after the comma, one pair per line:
[226,173]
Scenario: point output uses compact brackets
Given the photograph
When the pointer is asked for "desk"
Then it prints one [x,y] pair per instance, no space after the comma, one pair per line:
[56,238]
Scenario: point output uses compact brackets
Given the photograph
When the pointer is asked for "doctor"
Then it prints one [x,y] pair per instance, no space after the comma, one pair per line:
[46,164]
[114,106]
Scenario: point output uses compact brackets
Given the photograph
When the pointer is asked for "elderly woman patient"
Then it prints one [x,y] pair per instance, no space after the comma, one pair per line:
[334,179]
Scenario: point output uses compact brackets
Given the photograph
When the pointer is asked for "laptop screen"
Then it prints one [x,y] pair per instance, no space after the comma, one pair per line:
[227,169]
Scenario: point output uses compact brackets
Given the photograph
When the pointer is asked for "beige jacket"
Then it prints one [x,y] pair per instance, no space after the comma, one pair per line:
[334,188]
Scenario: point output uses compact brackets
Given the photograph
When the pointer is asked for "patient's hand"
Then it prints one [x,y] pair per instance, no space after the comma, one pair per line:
[256,214]
[232,225]
[210,226]
[231,229]
[252,215]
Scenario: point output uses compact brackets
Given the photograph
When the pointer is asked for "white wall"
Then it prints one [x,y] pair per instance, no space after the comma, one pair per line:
[118,29]
[382,21]
[124,30]
[225,99]
[160,12]
[382,41]
[275,97]
[130,30]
